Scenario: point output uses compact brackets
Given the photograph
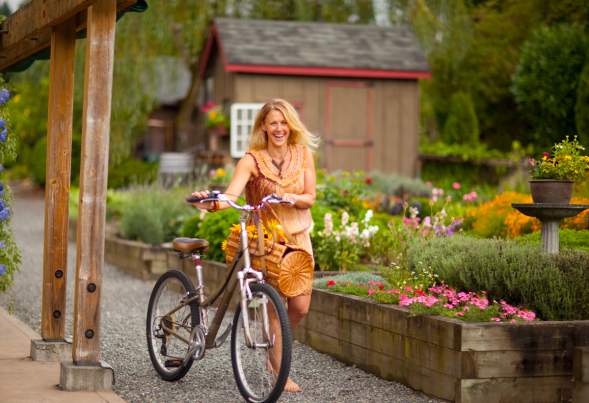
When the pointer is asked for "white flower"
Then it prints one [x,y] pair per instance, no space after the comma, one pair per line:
[345,218]
[368,216]
[328,221]
[413,212]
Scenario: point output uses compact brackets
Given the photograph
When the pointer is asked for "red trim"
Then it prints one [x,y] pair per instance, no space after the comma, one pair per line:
[327,71]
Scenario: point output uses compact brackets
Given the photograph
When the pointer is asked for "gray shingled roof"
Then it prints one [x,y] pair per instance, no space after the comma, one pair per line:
[313,44]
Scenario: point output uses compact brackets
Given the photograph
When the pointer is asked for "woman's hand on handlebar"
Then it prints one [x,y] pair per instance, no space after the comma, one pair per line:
[203,194]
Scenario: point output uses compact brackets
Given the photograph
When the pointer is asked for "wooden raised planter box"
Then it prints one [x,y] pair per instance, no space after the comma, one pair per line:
[446,358]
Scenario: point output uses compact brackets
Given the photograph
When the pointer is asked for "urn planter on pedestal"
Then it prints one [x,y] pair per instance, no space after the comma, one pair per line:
[551,191]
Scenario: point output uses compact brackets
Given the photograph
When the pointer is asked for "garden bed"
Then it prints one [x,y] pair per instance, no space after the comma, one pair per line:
[446,358]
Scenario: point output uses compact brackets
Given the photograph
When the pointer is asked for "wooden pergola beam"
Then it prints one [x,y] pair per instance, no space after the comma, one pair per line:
[28,30]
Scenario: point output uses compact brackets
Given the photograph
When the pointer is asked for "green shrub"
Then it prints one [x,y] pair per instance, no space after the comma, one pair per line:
[392,184]
[569,239]
[555,286]
[36,161]
[546,80]
[190,226]
[462,125]
[132,172]
[582,107]
[215,228]
[154,215]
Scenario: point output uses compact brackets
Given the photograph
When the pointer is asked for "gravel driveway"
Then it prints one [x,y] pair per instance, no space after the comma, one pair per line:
[124,305]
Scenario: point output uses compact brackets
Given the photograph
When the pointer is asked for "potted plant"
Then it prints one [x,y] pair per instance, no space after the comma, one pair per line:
[216,122]
[552,176]
[219,179]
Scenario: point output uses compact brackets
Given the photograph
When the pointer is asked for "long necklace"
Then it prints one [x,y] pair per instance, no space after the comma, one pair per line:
[279,165]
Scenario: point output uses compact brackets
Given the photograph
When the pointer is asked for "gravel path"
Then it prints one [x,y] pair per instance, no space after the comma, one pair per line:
[124,305]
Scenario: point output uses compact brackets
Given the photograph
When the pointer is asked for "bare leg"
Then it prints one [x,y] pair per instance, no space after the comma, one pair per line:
[297,309]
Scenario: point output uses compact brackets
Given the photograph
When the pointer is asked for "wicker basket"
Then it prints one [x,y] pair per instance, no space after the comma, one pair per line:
[287,267]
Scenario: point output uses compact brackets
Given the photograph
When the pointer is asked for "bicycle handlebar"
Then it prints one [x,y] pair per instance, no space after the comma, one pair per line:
[215,195]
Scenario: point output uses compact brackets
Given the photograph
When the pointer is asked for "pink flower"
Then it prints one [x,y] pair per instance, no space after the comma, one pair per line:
[330,283]
[456,185]
[449,306]
[459,313]
[370,291]
[496,319]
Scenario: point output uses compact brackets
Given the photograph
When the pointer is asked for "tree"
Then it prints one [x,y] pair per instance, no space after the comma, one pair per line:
[582,107]
[462,126]
[546,80]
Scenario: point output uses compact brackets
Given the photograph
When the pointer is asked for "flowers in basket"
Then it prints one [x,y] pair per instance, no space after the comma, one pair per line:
[215,117]
[567,162]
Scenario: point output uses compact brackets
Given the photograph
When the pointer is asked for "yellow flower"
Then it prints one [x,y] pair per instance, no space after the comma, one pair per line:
[220,172]
[224,245]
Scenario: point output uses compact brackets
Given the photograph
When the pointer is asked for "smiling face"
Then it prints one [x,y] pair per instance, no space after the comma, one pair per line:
[276,128]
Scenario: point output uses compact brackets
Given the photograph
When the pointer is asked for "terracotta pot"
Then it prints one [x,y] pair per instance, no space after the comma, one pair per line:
[551,191]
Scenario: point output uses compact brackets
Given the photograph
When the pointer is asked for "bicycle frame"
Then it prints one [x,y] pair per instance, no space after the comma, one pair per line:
[244,277]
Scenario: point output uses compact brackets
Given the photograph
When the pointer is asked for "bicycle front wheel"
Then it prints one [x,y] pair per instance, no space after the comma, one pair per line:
[261,363]
[170,324]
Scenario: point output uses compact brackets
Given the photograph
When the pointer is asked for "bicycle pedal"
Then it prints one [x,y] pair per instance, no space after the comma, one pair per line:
[173,363]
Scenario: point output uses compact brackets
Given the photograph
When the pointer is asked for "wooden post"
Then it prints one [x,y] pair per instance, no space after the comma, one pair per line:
[58,169]
[98,75]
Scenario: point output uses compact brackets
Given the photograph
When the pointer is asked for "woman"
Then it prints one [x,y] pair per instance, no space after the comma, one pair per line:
[280,160]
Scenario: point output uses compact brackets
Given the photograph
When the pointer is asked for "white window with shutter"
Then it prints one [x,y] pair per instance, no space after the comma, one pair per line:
[242,120]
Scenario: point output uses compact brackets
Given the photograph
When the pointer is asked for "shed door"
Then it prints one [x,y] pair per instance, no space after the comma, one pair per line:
[348,126]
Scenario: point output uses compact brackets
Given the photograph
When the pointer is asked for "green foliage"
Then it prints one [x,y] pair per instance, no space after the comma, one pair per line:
[547,77]
[37,161]
[393,184]
[582,107]
[132,172]
[555,286]
[10,258]
[215,227]
[358,278]
[342,190]
[569,239]
[153,215]
[462,126]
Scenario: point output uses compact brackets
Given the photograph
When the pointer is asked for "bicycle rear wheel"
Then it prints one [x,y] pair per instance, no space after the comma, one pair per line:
[261,369]
[166,327]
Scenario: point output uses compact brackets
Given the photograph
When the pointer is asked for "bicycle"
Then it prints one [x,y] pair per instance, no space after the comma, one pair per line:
[178,328]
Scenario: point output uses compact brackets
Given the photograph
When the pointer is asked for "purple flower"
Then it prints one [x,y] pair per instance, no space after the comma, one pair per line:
[4,96]
[2,123]
[3,135]
[1,189]
[2,269]
[4,214]
[2,244]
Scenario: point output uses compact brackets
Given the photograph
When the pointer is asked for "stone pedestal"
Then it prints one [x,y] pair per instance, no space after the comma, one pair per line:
[550,214]
[42,350]
[86,377]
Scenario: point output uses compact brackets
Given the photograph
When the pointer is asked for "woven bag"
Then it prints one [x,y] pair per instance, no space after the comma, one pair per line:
[286,267]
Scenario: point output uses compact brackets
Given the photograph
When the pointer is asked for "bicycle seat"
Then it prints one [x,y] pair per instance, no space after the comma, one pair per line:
[188,245]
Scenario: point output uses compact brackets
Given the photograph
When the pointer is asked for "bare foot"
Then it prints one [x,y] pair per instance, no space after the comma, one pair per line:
[292,387]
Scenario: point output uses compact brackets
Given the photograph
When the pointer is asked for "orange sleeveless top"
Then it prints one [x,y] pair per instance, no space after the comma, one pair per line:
[289,179]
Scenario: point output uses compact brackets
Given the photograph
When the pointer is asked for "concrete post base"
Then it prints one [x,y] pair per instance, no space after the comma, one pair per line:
[86,377]
[42,350]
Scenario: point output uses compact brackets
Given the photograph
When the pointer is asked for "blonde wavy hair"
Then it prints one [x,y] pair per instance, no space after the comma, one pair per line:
[298,131]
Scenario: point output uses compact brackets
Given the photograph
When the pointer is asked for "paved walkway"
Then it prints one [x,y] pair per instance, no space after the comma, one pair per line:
[23,380]
[124,301]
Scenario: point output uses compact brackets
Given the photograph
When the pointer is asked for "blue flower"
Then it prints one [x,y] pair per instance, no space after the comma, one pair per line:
[4,214]
[1,189]
[3,135]
[2,269]
[2,244]
[2,123]
[4,96]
